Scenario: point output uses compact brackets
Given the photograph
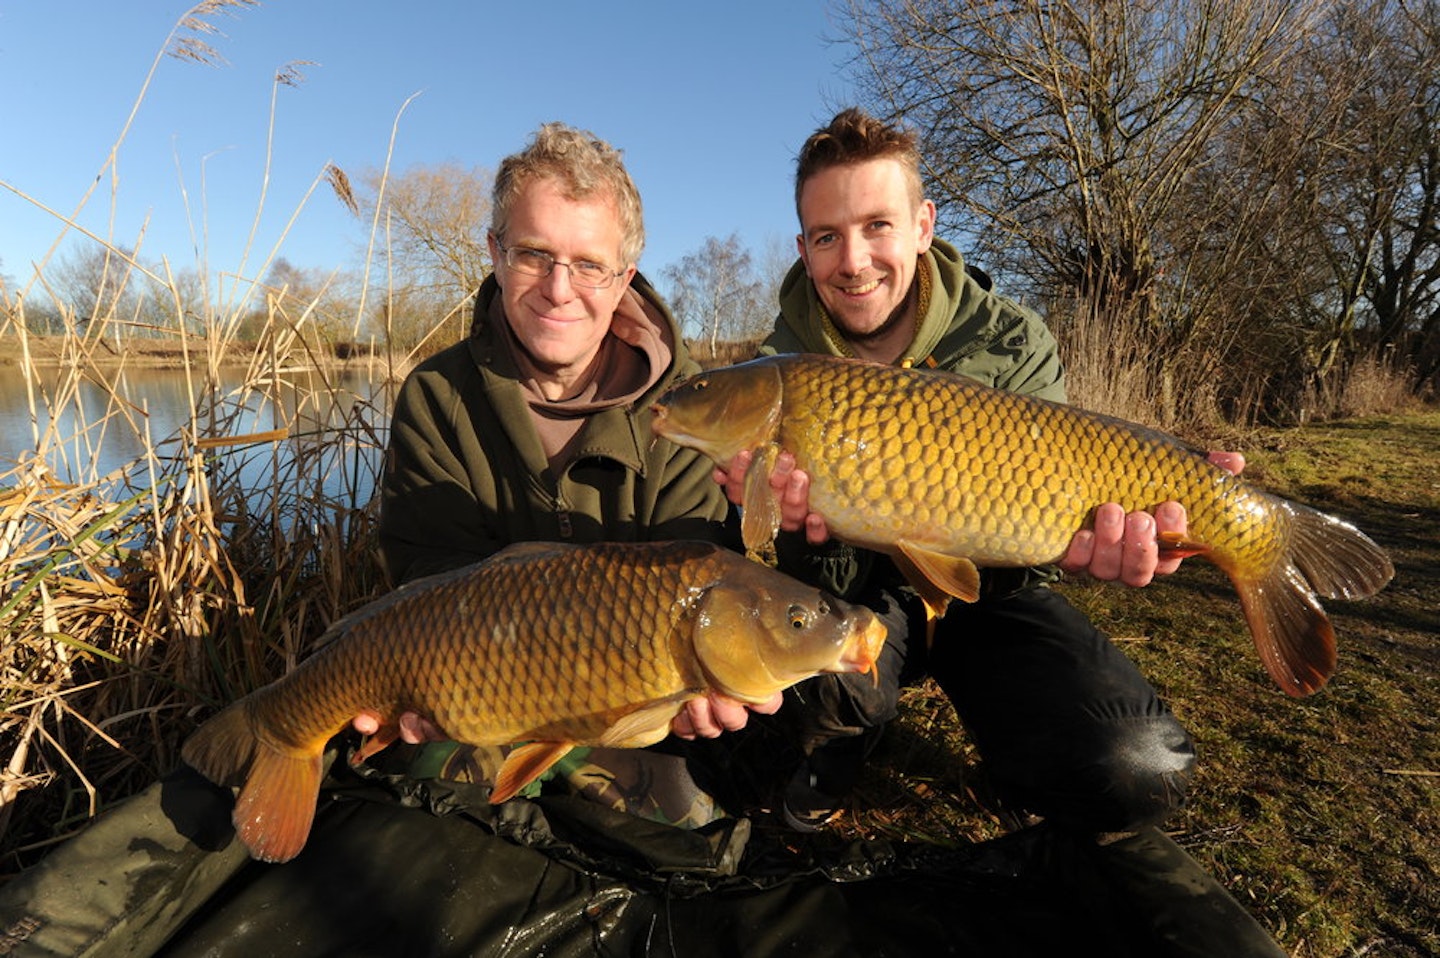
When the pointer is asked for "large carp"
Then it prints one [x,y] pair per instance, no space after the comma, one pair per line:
[944,474]
[552,645]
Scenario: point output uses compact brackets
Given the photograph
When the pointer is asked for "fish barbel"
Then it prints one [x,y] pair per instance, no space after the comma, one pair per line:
[551,645]
[944,474]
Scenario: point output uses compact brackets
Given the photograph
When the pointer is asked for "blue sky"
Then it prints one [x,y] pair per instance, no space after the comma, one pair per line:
[709,101]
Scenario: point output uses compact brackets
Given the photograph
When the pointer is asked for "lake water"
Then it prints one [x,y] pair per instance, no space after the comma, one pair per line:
[87,429]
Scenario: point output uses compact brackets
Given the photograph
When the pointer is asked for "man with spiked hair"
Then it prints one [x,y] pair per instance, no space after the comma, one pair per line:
[1068,727]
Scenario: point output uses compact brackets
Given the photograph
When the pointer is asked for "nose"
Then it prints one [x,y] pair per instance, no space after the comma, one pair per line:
[854,256]
[557,286]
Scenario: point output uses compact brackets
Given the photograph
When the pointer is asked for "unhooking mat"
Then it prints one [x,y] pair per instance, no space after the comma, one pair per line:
[399,868]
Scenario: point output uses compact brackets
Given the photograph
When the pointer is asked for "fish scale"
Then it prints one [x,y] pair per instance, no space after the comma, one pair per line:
[546,644]
[946,475]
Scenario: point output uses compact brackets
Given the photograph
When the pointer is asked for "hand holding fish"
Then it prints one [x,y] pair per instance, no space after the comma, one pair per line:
[545,644]
[413,728]
[1118,547]
[715,714]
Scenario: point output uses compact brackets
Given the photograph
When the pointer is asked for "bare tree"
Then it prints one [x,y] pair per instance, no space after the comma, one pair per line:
[1071,125]
[432,223]
[716,294]
[1386,200]
[95,285]
[431,244]
[1327,199]
[1230,188]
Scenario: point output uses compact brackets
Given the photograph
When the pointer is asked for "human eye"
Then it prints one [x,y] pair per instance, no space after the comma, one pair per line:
[530,260]
[590,272]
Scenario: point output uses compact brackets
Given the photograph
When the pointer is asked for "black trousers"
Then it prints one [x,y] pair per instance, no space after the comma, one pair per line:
[1067,726]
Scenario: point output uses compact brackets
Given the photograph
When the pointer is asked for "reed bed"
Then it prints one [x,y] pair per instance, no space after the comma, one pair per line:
[133,600]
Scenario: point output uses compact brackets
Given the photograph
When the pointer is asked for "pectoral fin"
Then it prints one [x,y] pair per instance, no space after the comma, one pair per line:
[647,725]
[525,764]
[760,506]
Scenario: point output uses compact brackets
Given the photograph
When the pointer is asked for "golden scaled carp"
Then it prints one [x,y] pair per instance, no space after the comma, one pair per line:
[552,645]
[944,474]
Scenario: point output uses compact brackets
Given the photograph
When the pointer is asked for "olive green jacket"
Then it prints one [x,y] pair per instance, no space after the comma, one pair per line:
[465,472]
[967,328]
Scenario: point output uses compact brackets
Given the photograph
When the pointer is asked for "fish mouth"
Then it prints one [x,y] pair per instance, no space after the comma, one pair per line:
[862,652]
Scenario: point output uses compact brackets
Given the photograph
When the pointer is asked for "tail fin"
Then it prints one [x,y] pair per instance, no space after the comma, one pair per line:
[1292,633]
[276,805]
[1337,559]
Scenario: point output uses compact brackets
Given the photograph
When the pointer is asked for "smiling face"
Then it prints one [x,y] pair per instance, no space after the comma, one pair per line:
[559,325]
[863,233]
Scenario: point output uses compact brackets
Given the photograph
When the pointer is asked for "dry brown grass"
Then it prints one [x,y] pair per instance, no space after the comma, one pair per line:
[198,570]
[204,565]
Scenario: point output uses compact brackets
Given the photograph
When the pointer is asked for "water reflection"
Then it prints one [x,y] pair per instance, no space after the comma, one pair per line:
[113,422]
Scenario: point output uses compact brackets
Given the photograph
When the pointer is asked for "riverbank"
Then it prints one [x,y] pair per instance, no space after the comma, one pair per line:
[160,352]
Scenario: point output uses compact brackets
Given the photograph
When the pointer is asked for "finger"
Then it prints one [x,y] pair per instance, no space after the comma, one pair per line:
[1231,462]
[1169,518]
[1082,550]
[1109,529]
[702,719]
[681,725]
[729,714]
[795,500]
[735,477]
[1139,550]
[412,728]
[816,531]
[366,723]
[770,706]
[780,474]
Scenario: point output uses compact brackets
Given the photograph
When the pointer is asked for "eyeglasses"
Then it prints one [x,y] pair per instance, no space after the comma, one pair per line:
[535,262]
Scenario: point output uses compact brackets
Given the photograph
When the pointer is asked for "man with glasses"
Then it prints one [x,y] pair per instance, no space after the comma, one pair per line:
[537,426]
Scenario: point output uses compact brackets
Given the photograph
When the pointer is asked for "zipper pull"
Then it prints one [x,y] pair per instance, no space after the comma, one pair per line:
[562,516]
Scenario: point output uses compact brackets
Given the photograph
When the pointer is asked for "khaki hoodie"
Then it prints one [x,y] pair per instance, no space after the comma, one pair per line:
[467,473]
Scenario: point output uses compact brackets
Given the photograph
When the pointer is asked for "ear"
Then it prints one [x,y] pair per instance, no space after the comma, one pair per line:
[493,244]
[925,224]
[803,251]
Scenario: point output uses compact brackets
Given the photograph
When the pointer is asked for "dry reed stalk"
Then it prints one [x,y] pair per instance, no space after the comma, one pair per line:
[134,601]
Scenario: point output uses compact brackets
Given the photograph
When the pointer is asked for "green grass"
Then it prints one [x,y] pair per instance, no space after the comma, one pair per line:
[1321,815]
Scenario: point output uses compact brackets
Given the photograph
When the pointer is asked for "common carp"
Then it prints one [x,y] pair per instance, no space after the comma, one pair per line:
[944,474]
[551,645]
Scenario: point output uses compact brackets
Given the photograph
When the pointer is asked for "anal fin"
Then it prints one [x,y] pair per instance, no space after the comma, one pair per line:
[523,765]
[1175,546]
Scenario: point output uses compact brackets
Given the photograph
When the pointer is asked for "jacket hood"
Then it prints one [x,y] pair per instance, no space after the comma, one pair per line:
[954,321]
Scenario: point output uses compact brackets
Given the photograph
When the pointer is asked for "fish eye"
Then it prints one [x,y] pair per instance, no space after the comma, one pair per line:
[799,618]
